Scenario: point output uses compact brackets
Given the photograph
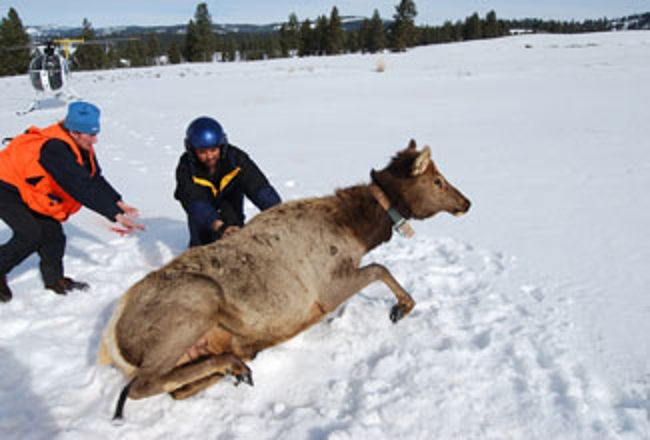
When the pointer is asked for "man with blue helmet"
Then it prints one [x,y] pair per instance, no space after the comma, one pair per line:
[212,178]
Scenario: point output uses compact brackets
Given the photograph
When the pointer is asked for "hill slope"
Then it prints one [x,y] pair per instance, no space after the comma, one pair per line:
[531,319]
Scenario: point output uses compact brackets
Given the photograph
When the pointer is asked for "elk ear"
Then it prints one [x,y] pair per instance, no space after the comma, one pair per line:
[411,145]
[421,163]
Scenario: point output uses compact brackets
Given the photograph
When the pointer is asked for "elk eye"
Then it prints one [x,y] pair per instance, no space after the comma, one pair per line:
[438,182]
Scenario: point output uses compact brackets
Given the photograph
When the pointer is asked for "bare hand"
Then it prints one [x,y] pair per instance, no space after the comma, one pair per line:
[130,211]
[230,230]
[128,223]
[216,225]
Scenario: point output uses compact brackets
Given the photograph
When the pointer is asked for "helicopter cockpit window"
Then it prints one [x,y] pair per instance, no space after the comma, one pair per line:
[53,64]
[35,68]
[35,77]
[37,63]
[55,74]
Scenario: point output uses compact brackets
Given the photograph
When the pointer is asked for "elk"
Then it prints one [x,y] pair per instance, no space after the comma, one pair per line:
[199,318]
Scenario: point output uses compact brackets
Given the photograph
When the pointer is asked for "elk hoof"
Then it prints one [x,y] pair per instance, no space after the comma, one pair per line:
[246,378]
[397,312]
[240,371]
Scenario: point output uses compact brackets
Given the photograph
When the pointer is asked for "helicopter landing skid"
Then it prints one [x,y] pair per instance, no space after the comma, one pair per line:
[33,106]
[57,101]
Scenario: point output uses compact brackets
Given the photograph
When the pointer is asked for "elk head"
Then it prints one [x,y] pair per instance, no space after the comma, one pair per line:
[416,188]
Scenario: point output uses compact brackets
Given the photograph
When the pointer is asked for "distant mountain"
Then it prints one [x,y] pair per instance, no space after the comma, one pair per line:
[348,23]
[632,22]
[65,31]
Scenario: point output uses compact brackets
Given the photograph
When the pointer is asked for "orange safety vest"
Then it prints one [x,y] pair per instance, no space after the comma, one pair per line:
[20,167]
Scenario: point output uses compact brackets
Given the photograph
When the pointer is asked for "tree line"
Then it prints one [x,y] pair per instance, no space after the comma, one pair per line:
[325,35]
[14,41]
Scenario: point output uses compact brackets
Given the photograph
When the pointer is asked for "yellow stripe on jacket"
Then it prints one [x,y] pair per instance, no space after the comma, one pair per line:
[222,184]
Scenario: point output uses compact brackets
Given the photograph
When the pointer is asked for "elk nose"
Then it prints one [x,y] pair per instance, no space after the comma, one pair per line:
[464,209]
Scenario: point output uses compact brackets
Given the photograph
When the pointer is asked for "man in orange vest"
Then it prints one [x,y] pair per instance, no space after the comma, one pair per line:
[46,175]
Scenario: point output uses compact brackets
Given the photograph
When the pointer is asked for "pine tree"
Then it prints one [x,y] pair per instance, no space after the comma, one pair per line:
[294,29]
[320,35]
[457,31]
[447,33]
[153,50]
[231,50]
[290,36]
[205,31]
[334,38]
[14,45]
[307,46]
[112,57]
[376,41]
[136,53]
[285,45]
[472,29]
[89,56]
[228,49]
[491,25]
[174,53]
[353,40]
[270,45]
[403,30]
[200,39]
[191,44]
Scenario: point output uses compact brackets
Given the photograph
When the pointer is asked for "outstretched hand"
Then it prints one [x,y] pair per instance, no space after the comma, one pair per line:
[125,219]
[127,223]
[130,211]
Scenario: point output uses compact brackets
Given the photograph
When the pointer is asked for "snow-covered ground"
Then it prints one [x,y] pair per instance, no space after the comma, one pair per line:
[533,310]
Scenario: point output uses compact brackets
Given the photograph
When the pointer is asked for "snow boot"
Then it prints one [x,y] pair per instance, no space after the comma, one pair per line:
[65,284]
[5,291]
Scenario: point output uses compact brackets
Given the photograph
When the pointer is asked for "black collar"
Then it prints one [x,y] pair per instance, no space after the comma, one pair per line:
[400,225]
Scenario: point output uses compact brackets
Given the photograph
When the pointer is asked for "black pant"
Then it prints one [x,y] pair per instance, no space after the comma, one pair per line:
[32,232]
[200,235]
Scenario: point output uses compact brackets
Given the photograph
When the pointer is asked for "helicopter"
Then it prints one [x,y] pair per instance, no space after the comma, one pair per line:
[48,73]
[49,70]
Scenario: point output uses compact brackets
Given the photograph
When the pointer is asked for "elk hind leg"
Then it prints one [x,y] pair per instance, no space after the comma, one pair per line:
[186,374]
[193,388]
[185,380]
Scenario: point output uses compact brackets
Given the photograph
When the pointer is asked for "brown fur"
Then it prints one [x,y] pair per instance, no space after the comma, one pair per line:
[186,325]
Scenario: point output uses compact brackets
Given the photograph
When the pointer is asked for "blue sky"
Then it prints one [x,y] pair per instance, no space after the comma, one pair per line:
[153,12]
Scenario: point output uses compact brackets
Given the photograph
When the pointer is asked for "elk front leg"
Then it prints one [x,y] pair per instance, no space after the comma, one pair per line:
[366,275]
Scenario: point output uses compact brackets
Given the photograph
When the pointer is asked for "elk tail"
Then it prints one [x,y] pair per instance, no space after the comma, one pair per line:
[119,409]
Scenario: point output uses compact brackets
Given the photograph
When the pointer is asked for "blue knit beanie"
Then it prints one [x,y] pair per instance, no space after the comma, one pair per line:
[82,117]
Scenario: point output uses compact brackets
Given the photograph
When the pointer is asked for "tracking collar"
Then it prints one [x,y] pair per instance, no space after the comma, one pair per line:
[400,225]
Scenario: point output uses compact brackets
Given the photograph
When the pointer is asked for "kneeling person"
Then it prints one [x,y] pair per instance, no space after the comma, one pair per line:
[212,178]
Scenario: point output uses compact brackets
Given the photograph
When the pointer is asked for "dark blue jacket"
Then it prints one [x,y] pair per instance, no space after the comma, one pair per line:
[220,196]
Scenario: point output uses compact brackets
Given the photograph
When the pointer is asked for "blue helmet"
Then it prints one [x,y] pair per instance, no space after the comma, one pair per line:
[204,132]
